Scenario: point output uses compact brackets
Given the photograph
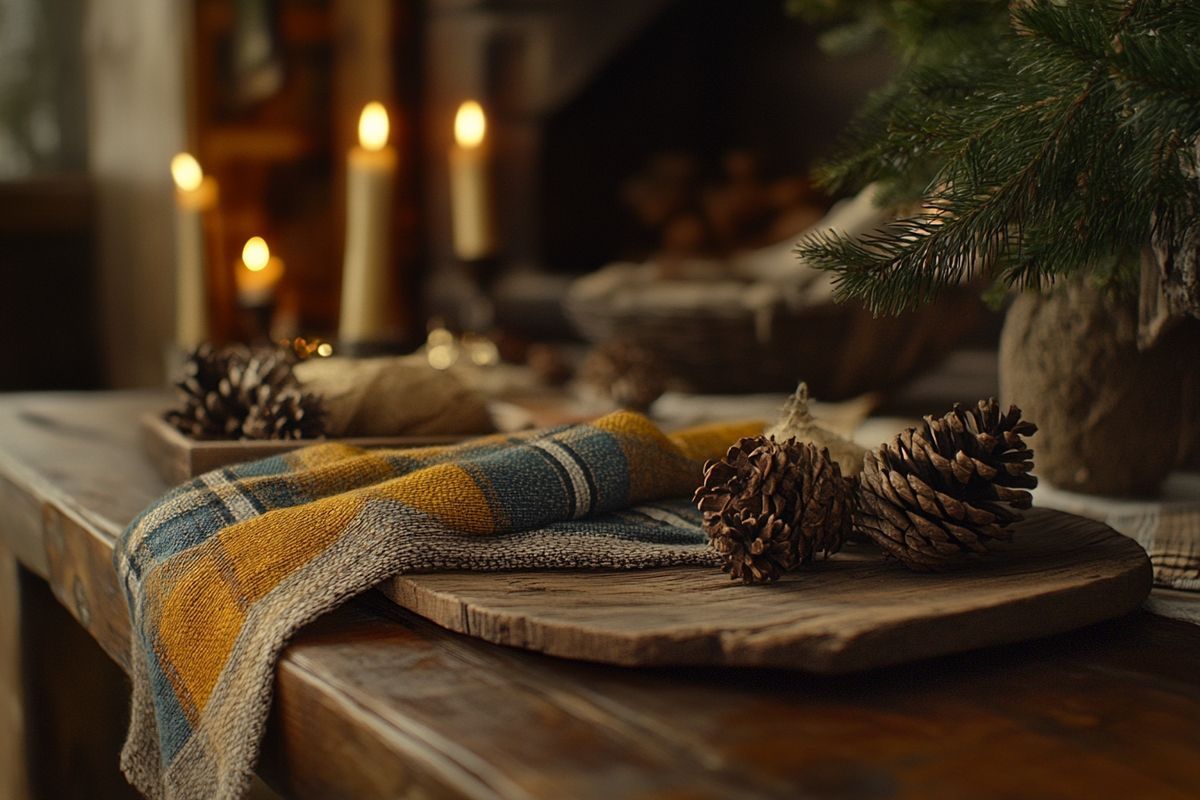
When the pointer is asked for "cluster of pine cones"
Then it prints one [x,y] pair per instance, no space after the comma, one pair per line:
[930,497]
[238,393]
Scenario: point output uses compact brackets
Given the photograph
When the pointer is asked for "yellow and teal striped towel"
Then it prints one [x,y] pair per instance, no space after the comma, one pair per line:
[223,570]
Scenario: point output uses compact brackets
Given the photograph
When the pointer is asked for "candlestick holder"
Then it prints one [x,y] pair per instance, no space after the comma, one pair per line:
[254,320]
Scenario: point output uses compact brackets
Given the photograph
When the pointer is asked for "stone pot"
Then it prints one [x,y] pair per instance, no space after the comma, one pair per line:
[1111,419]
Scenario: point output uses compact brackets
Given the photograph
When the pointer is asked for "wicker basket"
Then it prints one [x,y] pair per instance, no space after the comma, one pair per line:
[739,336]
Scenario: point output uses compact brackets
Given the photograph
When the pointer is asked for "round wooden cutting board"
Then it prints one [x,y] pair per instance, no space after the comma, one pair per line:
[852,612]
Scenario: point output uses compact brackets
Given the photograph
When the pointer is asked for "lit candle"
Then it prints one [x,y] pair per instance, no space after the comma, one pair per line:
[470,194]
[195,194]
[366,287]
[259,275]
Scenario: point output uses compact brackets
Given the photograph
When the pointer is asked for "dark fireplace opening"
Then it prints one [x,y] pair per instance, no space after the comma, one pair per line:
[708,93]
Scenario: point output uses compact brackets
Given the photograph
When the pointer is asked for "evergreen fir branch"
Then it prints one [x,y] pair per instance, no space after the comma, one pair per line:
[969,222]
[1059,147]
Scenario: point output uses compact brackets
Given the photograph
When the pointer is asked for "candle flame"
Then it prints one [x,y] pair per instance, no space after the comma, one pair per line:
[256,254]
[470,125]
[186,172]
[373,126]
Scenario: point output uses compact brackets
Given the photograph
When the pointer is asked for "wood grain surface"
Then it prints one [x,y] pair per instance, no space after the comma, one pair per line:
[1112,711]
[373,701]
[852,612]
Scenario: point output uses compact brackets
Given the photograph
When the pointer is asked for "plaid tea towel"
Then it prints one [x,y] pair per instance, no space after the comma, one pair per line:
[223,570]
[1172,540]
[1167,527]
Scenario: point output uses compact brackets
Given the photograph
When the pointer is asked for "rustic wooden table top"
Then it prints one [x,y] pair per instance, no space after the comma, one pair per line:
[372,701]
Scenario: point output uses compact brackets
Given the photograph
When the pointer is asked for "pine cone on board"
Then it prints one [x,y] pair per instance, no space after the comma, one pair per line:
[236,394]
[942,490]
[770,506]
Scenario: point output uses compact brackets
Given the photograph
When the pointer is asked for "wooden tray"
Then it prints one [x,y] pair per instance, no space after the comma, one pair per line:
[850,613]
[179,458]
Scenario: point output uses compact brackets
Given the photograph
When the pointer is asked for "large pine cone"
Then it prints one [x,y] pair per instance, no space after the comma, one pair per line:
[770,506]
[239,394]
[943,489]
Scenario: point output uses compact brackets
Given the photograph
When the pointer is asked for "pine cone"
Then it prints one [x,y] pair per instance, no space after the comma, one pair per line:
[769,507]
[943,489]
[202,413]
[237,394]
[626,372]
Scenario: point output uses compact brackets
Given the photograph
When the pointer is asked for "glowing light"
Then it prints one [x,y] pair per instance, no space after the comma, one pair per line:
[373,126]
[485,355]
[442,356]
[186,172]
[481,350]
[439,336]
[470,125]
[256,254]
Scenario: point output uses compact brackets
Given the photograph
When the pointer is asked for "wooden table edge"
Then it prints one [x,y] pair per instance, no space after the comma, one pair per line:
[44,513]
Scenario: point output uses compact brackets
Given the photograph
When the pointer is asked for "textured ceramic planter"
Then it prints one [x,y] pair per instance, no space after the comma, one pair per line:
[1110,417]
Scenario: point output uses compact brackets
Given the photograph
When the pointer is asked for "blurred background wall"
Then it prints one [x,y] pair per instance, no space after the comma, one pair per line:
[585,100]
[134,52]
[91,107]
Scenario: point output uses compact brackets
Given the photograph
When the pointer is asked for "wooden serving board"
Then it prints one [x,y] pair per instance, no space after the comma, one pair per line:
[852,612]
[179,458]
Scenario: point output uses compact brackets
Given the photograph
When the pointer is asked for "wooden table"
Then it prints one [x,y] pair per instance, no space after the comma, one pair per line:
[372,701]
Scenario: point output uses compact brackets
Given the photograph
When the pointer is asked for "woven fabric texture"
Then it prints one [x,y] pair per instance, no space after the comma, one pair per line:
[223,570]
[1172,540]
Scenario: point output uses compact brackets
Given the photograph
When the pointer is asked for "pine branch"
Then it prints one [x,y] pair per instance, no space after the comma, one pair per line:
[908,260]
[1055,149]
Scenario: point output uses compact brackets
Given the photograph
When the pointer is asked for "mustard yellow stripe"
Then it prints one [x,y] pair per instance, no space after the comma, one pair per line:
[264,550]
[197,624]
[446,492]
[363,468]
[320,455]
[628,423]
[707,442]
